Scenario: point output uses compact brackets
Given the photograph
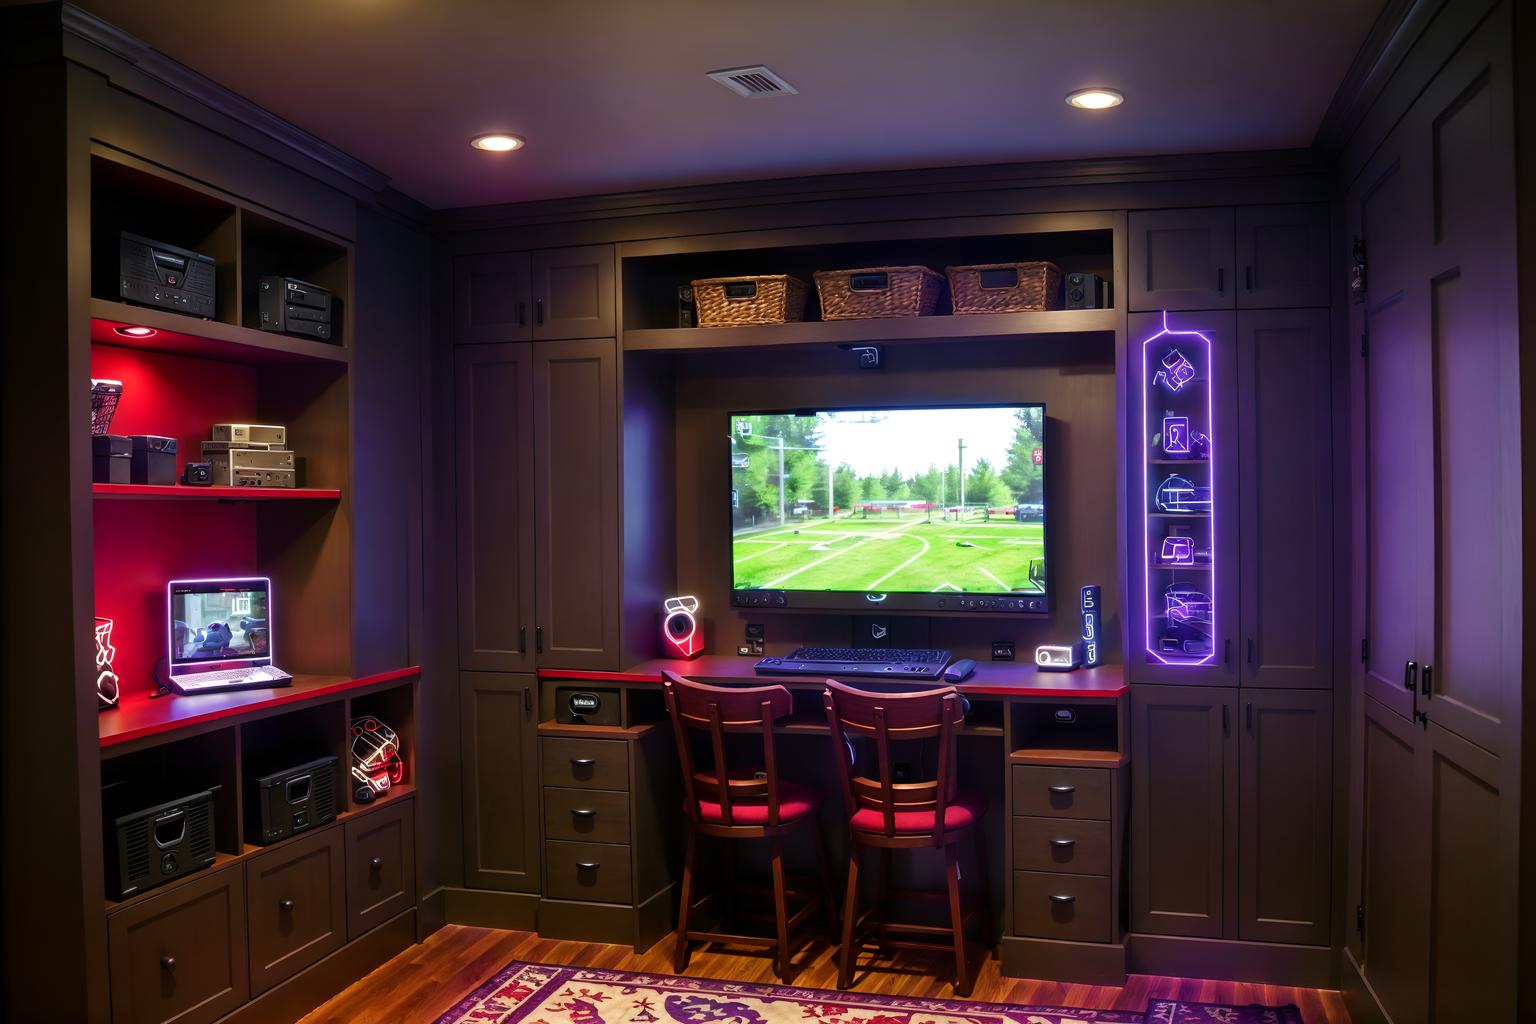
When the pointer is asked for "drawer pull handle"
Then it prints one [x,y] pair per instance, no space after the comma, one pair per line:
[168,964]
[583,762]
[376,864]
[1063,900]
[587,865]
[286,906]
[583,812]
[1063,844]
[1063,790]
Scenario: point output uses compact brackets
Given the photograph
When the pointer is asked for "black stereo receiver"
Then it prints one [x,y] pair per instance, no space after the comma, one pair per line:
[155,274]
[152,845]
[291,800]
[296,307]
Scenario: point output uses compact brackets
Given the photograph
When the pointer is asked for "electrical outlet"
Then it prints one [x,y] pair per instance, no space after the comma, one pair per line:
[1002,650]
[744,650]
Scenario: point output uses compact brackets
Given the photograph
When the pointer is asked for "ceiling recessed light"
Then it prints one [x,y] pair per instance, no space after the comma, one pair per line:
[497,142]
[1095,99]
[136,332]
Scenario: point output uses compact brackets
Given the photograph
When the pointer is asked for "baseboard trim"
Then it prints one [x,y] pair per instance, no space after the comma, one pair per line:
[1083,963]
[431,913]
[1268,963]
[484,908]
[312,986]
[1359,998]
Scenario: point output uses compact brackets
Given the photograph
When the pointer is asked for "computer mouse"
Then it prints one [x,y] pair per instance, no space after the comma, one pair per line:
[959,671]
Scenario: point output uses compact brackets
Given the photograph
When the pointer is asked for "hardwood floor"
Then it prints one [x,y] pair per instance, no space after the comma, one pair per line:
[423,981]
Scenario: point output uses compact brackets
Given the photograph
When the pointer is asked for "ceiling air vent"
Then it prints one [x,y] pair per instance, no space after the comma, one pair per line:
[754,82]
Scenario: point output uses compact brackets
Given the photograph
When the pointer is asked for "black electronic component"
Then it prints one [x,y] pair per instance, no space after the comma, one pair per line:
[292,306]
[586,706]
[155,274]
[290,800]
[151,845]
[859,662]
[154,459]
[111,459]
[197,474]
[1085,291]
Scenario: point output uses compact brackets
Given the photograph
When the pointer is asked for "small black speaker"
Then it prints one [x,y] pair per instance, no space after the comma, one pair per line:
[1085,291]
[291,800]
[152,845]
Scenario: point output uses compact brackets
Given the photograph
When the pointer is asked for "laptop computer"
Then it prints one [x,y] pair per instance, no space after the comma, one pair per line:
[219,635]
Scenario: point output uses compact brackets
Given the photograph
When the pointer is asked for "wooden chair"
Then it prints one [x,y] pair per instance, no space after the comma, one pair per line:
[889,815]
[742,801]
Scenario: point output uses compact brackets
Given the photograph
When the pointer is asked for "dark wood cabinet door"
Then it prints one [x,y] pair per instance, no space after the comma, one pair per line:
[1183,796]
[1394,859]
[1220,580]
[576,479]
[1285,816]
[295,906]
[501,781]
[493,447]
[381,866]
[179,958]
[1282,256]
[573,293]
[491,298]
[1182,259]
[1285,530]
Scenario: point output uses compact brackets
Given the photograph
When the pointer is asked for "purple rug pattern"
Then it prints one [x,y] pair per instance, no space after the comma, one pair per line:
[529,993]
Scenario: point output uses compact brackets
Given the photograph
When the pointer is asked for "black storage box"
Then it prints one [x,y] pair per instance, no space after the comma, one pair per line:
[291,800]
[154,459]
[111,459]
[151,840]
[586,705]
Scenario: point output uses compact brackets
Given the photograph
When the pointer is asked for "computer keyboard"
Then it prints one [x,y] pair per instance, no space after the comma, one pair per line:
[231,679]
[859,662]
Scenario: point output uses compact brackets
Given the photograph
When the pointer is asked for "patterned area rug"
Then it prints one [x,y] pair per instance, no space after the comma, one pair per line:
[524,993]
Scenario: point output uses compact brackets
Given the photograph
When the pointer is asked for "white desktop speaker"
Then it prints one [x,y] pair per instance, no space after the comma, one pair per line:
[679,630]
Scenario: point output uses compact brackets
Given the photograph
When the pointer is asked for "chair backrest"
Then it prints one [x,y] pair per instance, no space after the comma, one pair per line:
[716,711]
[889,719]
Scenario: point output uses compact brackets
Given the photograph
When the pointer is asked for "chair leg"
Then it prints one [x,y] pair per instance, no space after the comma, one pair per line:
[690,860]
[828,894]
[956,921]
[882,889]
[850,912]
[984,888]
[780,909]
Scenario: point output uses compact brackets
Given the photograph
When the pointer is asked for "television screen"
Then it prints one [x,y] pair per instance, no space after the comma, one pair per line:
[933,508]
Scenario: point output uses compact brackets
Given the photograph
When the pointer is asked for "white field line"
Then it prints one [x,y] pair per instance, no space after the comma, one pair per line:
[944,586]
[759,554]
[994,579]
[902,566]
[811,565]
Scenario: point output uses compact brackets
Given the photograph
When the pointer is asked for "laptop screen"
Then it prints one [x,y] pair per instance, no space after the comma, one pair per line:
[213,621]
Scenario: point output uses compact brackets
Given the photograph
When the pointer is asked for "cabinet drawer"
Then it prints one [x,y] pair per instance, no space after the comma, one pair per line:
[585,764]
[381,866]
[1061,792]
[586,815]
[295,903]
[1070,845]
[586,871]
[1050,905]
[180,956]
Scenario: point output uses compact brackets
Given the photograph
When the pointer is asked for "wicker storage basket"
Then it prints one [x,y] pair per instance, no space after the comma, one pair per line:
[878,292]
[737,301]
[1005,287]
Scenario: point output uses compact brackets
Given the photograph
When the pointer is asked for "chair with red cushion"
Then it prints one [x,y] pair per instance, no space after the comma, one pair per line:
[917,814]
[746,800]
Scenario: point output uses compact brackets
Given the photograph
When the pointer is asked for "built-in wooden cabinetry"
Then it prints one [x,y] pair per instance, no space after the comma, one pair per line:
[1253,257]
[546,295]
[500,780]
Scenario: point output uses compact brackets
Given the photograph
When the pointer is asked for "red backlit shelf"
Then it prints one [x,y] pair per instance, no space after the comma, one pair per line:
[180,492]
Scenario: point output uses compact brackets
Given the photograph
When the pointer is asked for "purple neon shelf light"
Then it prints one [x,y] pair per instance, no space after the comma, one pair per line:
[1175,372]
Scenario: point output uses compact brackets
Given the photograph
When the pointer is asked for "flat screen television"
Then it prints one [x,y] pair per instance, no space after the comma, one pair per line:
[938,509]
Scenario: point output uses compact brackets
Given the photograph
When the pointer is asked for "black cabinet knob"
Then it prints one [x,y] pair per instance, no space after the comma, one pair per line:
[1063,844]
[586,865]
[583,812]
[168,964]
[376,863]
[1063,899]
[583,762]
[286,906]
[1063,790]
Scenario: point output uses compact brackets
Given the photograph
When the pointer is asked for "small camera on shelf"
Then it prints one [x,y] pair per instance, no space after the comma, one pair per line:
[197,474]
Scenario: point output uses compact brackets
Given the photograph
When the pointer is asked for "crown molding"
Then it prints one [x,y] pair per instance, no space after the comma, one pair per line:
[1392,35]
[206,92]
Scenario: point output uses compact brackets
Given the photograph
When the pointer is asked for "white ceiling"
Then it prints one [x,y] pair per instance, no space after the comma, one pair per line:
[611,94]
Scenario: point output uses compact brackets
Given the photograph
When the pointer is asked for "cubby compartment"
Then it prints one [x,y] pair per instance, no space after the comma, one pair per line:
[125,197]
[282,744]
[154,846]
[273,248]
[1068,730]
[394,708]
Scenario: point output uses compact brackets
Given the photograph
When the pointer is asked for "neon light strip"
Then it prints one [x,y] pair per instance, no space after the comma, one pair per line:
[1147,560]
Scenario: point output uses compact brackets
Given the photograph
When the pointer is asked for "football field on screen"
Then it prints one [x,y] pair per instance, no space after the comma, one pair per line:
[911,555]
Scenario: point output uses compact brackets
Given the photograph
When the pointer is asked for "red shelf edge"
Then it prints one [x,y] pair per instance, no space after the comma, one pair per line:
[236,493]
[287,697]
[977,688]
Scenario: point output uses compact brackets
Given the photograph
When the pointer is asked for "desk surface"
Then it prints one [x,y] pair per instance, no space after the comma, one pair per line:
[991,679]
